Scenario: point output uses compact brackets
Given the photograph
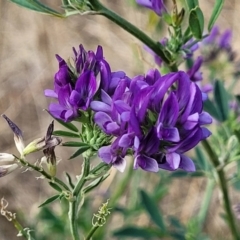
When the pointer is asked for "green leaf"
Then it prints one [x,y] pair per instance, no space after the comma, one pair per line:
[80,151]
[174,222]
[136,232]
[95,183]
[221,100]
[192,4]
[69,179]
[152,209]
[75,144]
[196,22]
[55,186]
[67,125]
[211,109]
[37,6]
[49,200]
[65,134]
[215,13]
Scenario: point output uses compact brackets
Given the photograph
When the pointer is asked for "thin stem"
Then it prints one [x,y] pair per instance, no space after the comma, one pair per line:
[133,30]
[92,231]
[76,196]
[21,230]
[82,180]
[223,185]
[45,174]
[72,214]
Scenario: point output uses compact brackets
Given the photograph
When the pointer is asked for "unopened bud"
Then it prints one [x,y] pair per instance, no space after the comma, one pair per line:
[6,158]
[46,142]
[50,160]
[18,138]
[6,169]
[41,144]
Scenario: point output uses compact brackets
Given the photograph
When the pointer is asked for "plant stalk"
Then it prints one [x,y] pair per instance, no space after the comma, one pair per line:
[92,231]
[224,189]
[44,173]
[76,198]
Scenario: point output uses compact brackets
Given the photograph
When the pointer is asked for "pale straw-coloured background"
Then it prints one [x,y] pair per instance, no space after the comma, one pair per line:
[28,43]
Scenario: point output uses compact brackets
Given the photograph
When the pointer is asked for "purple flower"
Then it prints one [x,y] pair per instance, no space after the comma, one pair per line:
[220,40]
[75,86]
[61,78]
[194,73]
[144,149]
[155,5]
[216,43]
[189,48]
[114,154]
[112,110]
[157,118]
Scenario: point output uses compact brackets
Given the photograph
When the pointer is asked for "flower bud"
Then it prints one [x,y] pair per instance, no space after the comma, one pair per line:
[34,146]
[39,144]
[50,158]
[6,158]
[18,138]
[6,169]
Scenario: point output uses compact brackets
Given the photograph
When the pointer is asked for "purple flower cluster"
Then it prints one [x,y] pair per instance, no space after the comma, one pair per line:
[75,86]
[155,118]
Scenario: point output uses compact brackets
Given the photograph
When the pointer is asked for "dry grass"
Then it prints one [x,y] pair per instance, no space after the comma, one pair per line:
[28,42]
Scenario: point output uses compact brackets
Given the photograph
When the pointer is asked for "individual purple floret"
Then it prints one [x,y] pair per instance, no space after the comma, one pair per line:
[155,5]
[75,86]
[157,118]
[194,73]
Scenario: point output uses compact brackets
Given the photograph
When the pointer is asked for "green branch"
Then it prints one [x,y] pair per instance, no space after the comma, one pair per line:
[223,185]
[44,173]
[76,199]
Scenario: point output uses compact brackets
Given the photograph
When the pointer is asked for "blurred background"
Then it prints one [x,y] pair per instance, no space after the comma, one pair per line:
[28,44]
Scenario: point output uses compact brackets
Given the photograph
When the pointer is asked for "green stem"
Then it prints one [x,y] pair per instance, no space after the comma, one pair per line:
[21,230]
[72,214]
[45,174]
[223,185]
[92,231]
[205,203]
[76,196]
[133,30]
